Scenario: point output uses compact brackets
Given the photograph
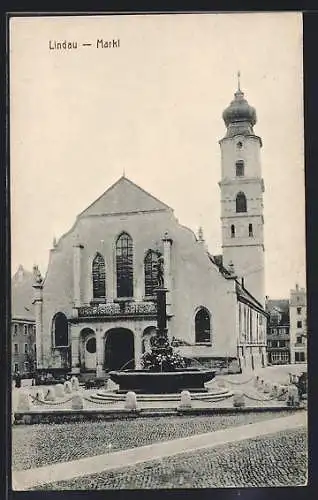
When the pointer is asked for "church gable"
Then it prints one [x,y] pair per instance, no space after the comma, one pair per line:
[124,197]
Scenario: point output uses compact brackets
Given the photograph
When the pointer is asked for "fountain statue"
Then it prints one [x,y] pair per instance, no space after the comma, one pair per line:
[164,370]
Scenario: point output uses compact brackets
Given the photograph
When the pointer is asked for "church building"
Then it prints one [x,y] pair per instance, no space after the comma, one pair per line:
[95,309]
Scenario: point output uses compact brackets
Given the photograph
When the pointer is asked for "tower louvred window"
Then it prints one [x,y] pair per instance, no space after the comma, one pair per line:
[241,204]
[239,168]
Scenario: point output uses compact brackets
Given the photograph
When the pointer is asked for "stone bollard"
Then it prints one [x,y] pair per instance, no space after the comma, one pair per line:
[292,396]
[77,402]
[39,396]
[75,383]
[131,401]
[185,401]
[59,391]
[50,394]
[274,391]
[24,402]
[267,387]
[238,400]
[67,387]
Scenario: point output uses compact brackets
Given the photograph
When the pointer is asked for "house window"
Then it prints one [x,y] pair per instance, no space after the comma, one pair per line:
[60,330]
[299,339]
[16,367]
[241,204]
[15,330]
[202,326]
[239,166]
[25,348]
[99,277]
[282,343]
[124,266]
[16,349]
[232,231]
[274,331]
[25,328]
[299,357]
[26,366]
[250,230]
[151,272]
[298,310]
[299,324]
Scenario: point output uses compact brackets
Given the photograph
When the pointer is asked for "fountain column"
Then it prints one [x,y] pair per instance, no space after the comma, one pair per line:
[77,248]
[167,243]
[38,310]
[162,312]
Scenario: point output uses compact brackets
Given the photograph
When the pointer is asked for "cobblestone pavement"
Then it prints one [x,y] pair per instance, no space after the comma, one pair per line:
[276,460]
[43,444]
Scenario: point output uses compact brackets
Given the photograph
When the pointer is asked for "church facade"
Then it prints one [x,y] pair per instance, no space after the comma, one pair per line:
[96,308]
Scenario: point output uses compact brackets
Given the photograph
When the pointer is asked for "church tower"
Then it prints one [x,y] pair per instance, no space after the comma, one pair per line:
[242,190]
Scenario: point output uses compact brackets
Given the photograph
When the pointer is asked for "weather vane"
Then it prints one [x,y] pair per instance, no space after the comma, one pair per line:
[239,80]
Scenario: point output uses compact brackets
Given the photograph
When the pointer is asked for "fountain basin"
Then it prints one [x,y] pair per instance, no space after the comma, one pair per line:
[148,382]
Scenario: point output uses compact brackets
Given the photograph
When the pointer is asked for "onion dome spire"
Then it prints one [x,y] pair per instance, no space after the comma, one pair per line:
[239,117]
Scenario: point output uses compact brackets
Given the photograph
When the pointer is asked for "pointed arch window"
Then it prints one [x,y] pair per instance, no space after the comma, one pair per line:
[151,272]
[239,167]
[232,231]
[124,265]
[99,277]
[202,326]
[241,204]
[60,330]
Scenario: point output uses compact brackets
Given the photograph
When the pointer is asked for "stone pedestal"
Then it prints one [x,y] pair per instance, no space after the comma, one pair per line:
[238,400]
[131,401]
[185,400]
[77,402]
[59,391]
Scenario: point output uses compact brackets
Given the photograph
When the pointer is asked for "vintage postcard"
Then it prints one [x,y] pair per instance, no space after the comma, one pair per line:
[159,315]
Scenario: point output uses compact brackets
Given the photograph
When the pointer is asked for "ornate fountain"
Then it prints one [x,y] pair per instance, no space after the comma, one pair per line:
[164,370]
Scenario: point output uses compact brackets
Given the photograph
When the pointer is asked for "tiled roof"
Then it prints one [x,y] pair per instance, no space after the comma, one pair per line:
[22,295]
[242,293]
[281,306]
[124,197]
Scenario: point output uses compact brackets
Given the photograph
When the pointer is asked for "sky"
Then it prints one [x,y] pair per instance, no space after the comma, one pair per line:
[152,108]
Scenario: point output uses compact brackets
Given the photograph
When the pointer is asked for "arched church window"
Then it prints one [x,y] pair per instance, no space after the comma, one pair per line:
[239,166]
[202,326]
[151,272]
[124,265]
[60,330]
[232,231]
[241,205]
[250,230]
[99,277]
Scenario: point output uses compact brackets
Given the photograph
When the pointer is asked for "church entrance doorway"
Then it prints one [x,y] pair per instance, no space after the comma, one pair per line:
[119,349]
[88,349]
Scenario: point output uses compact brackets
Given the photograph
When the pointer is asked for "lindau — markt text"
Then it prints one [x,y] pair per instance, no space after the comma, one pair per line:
[100,43]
